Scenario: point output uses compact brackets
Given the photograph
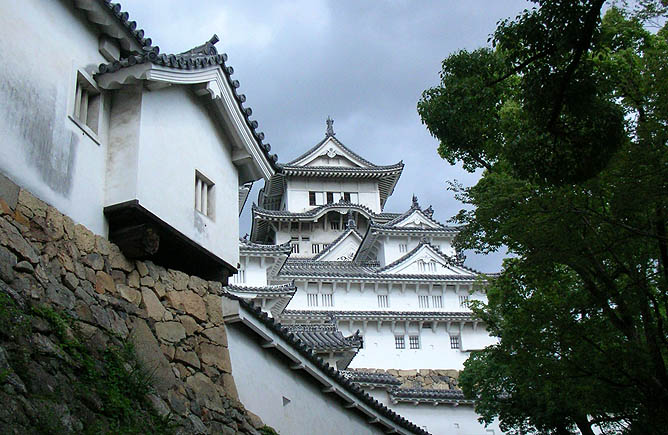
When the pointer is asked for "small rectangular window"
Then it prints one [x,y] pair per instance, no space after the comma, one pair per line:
[437,301]
[86,104]
[383,301]
[203,195]
[311,198]
[327,300]
[414,341]
[336,196]
[312,299]
[315,248]
[240,277]
[354,198]
[294,245]
[294,226]
[403,247]
[346,196]
[333,225]
[319,198]
[423,301]
[464,301]
[330,197]
[399,342]
[454,342]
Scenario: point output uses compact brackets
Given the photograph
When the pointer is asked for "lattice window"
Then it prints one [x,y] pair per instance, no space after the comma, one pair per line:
[240,277]
[315,248]
[383,301]
[203,194]
[437,301]
[327,300]
[454,342]
[312,299]
[414,341]
[399,342]
[403,247]
[423,301]
[464,301]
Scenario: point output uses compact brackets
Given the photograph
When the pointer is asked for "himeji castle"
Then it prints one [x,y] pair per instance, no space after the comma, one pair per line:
[382,297]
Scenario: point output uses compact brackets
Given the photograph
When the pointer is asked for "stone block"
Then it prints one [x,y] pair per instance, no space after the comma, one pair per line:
[217,334]
[215,287]
[68,226]
[168,350]
[198,285]
[187,357]
[141,268]
[118,261]
[170,331]
[179,279]
[133,279]
[160,289]
[147,281]
[8,263]
[190,324]
[12,239]
[94,261]
[407,373]
[217,356]
[129,294]
[102,246]
[60,296]
[230,387]
[84,238]
[188,301]
[104,283]
[70,281]
[149,353]
[36,206]
[214,308]
[150,301]
[9,191]
[54,224]
[205,392]
[24,266]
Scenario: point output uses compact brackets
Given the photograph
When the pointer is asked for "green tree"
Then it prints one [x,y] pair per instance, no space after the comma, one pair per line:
[567,115]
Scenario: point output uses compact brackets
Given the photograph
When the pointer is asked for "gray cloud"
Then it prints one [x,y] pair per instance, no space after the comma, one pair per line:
[364,63]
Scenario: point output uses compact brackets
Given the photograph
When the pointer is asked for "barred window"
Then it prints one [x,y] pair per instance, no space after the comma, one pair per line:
[383,301]
[464,301]
[399,342]
[423,301]
[414,341]
[312,299]
[437,301]
[327,300]
[315,248]
[203,194]
[454,342]
[403,247]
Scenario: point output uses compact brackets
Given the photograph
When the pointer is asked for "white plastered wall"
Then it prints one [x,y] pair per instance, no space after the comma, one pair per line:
[43,45]
[263,381]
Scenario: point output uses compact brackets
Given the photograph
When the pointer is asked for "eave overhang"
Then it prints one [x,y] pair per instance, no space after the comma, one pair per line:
[429,396]
[396,316]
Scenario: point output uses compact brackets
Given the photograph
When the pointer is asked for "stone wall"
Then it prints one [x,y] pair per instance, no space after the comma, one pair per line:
[174,320]
[422,378]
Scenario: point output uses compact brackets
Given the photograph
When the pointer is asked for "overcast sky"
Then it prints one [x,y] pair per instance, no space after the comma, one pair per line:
[364,63]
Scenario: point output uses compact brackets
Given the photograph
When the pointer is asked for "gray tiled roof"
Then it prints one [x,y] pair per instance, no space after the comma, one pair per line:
[247,246]
[123,18]
[358,377]
[332,245]
[325,337]
[202,56]
[278,290]
[428,395]
[328,315]
[317,210]
[422,243]
[339,143]
[350,269]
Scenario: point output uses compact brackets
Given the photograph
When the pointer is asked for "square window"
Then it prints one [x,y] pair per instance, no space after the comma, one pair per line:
[383,301]
[87,99]
[399,342]
[204,195]
[423,301]
[454,342]
[414,341]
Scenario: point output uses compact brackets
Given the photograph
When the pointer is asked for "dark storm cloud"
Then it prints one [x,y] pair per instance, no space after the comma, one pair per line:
[365,63]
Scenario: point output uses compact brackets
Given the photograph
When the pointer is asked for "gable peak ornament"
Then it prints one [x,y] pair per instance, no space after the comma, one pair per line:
[330,128]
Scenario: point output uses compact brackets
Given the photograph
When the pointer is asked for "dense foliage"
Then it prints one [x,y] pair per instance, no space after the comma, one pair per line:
[567,115]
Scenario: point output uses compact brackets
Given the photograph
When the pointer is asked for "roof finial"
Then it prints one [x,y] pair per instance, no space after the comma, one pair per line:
[415,202]
[330,128]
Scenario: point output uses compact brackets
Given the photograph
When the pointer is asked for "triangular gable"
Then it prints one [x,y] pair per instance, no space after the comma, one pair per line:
[343,248]
[416,219]
[424,260]
[330,152]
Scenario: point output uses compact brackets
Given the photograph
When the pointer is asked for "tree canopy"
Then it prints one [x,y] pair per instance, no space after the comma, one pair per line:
[566,113]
